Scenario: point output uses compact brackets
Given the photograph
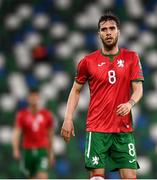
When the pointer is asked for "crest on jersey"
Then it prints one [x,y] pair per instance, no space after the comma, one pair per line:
[36,123]
[120,63]
[39,118]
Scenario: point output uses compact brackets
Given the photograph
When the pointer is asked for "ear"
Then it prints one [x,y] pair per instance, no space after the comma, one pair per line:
[118,32]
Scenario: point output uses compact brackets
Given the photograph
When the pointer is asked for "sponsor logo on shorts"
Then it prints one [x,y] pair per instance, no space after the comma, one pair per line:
[131,161]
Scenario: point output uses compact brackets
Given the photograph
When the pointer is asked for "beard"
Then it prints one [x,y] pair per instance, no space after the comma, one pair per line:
[109,45]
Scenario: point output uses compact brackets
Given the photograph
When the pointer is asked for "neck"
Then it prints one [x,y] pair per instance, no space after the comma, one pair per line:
[108,51]
[34,109]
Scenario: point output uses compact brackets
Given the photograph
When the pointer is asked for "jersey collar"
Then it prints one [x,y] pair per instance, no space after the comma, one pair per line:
[111,56]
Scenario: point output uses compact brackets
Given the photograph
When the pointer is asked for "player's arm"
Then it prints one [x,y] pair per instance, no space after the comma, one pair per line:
[16,142]
[68,129]
[137,88]
[50,148]
[137,93]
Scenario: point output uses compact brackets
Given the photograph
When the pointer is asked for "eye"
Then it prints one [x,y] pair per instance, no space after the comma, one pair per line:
[112,28]
[103,29]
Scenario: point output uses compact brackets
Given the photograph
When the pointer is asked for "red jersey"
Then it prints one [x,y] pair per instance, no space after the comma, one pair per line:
[34,128]
[110,85]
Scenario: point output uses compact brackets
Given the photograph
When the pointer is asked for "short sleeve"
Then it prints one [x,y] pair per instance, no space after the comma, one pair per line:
[18,120]
[82,72]
[136,69]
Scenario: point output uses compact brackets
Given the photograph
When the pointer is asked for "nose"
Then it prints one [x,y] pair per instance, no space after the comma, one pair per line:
[108,32]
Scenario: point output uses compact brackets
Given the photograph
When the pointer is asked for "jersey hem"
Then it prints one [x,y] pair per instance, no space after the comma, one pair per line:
[35,147]
[100,131]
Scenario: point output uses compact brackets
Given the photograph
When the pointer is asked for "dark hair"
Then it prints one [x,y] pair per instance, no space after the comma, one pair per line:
[107,17]
[33,90]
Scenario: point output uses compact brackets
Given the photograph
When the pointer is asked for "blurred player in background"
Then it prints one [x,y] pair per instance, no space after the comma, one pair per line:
[115,80]
[35,125]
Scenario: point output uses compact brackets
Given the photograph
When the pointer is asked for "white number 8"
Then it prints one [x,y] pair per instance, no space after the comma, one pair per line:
[112,76]
[131,149]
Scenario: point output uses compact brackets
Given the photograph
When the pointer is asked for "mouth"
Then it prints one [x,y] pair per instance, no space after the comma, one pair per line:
[109,39]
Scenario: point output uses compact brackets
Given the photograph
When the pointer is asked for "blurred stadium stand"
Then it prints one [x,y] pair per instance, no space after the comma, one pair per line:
[41,42]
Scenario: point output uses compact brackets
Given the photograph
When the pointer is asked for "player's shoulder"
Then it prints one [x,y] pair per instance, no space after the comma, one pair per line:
[128,52]
[22,111]
[46,111]
[92,55]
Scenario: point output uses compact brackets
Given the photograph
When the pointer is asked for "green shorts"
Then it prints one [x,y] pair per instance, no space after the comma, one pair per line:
[112,150]
[33,161]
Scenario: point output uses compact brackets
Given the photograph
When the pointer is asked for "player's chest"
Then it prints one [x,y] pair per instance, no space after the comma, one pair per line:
[107,70]
[34,122]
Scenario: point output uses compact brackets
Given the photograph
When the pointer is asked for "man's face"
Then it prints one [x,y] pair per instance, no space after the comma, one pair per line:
[33,99]
[109,33]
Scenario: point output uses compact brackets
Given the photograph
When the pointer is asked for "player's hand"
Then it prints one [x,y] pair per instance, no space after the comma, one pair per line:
[16,154]
[123,109]
[67,130]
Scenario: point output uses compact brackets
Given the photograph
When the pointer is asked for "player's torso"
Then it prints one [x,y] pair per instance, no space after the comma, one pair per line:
[35,129]
[34,123]
[109,82]
[107,70]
